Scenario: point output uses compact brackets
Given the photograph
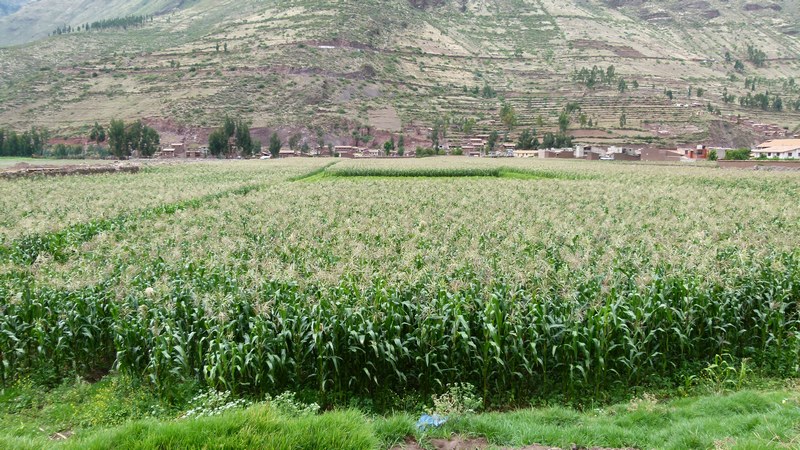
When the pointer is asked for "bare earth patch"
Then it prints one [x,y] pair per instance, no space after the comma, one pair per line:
[61,435]
[23,170]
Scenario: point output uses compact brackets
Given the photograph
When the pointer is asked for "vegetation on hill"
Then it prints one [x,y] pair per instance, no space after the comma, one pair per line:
[310,67]
[119,22]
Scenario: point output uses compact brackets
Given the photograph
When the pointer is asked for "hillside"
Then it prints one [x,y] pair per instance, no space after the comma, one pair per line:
[23,21]
[328,67]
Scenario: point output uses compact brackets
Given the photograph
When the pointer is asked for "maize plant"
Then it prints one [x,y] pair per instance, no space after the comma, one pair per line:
[394,278]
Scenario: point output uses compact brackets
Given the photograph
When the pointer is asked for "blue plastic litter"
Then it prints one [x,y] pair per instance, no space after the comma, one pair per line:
[430,421]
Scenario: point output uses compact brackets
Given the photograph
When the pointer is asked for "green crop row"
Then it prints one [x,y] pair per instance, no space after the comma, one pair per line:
[513,341]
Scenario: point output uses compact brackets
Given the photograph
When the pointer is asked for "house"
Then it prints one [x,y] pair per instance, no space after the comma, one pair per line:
[526,153]
[286,153]
[193,151]
[778,148]
[168,152]
[344,151]
[699,152]
[179,148]
[659,154]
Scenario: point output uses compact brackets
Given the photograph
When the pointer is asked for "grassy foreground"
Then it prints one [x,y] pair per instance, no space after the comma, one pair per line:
[108,414]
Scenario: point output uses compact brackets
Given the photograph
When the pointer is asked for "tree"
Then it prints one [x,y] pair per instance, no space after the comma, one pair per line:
[217,143]
[98,133]
[492,141]
[467,125]
[738,154]
[525,141]
[118,139]
[304,149]
[622,86]
[610,74]
[727,98]
[434,136]
[669,94]
[232,136]
[623,120]
[275,145]
[777,104]
[756,56]
[738,66]
[143,139]
[549,140]
[508,116]
[401,145]
[294,140]
[244,142]
[563,122]
[389,146]
[229,126]
[700,92]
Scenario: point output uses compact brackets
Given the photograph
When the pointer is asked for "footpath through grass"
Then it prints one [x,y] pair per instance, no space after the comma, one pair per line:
[116,413]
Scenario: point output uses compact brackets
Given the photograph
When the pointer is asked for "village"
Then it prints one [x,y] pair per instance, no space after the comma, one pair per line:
[478,147]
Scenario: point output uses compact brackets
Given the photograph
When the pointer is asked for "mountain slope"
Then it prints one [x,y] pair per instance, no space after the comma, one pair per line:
[28,20]
[327,67]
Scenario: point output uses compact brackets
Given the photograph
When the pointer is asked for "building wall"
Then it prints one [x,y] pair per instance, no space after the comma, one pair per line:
[658,154]
[626,157]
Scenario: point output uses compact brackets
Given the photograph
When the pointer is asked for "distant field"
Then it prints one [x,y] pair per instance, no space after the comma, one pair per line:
[6,162]
[525,278]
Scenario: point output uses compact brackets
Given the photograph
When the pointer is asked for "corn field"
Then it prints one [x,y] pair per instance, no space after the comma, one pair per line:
[592,278]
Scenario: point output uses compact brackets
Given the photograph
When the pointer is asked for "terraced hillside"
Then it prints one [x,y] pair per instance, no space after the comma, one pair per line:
[327,68]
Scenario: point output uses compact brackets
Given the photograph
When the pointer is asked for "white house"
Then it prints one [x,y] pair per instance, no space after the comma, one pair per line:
[778,148]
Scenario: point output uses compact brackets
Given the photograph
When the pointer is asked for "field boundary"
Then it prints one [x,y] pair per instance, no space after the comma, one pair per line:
[492,172]
[314,174]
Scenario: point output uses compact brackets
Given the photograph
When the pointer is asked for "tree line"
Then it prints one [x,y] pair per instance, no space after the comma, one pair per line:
[124,140]
[233,138]
[764,101]
[119,22]
[595,76]
[26,144]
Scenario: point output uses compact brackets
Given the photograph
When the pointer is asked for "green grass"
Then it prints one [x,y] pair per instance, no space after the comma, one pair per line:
[108,415]
[747,419]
